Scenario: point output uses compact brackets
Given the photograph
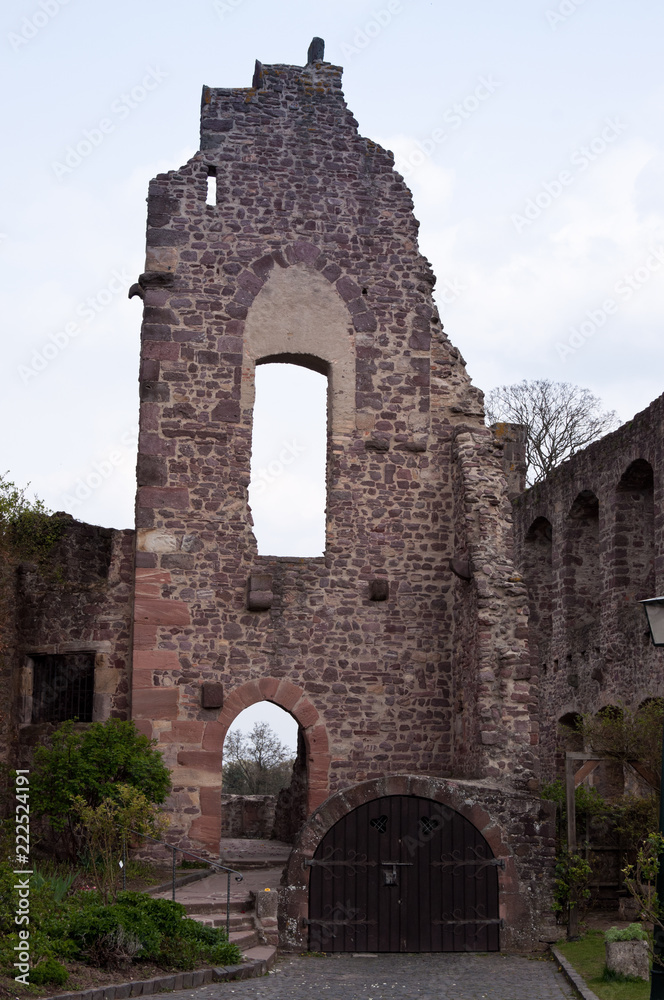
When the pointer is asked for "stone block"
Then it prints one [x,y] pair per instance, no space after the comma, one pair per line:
[156,611]
[212,695]
[155,703]
[628,958]
[379,590]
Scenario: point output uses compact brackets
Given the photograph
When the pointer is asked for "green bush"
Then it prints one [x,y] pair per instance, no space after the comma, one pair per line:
[135,928]
[93,763]
[139,927]
[635,932]
[49,971]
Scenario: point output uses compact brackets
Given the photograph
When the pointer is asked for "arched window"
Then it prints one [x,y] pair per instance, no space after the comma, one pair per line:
[633,541]
[287,492]
[581,579]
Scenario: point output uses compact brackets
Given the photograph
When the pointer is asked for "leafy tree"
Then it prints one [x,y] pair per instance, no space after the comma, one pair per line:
[91,764]
[628,734]
[559,419]
[257,764]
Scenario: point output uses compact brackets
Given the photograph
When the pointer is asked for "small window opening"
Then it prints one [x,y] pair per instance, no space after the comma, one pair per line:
[428,825]
[211,197]
[379,823]
[287,491]
[63,687]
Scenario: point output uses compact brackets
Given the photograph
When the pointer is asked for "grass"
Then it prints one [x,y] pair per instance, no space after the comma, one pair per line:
[588,958]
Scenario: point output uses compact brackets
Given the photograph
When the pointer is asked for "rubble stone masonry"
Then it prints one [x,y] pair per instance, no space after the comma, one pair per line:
[392,662]
[590,544]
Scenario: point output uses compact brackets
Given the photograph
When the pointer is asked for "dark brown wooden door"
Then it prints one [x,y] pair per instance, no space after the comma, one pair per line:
[403,873]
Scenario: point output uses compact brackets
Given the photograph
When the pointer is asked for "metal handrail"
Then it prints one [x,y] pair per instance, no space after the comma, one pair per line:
[213,864]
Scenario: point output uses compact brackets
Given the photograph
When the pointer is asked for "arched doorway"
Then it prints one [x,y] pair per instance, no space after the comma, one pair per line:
[403,873]
[264,776]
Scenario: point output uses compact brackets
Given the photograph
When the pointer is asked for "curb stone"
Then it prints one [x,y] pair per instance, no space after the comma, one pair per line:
[179,981]
[573,976]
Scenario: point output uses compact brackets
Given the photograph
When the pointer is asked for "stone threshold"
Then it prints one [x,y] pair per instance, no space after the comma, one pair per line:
[573,976]
[178,981]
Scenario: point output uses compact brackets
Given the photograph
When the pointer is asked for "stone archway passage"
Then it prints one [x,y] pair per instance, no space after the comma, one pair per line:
[403,874]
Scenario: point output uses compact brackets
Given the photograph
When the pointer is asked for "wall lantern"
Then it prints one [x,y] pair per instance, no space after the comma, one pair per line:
[654,609]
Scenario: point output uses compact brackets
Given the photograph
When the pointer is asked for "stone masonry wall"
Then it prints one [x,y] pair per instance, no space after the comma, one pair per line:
[590,543]
[310,255]
[79,598]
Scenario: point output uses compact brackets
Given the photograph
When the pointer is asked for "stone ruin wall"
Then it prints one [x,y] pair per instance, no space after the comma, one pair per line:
[311,249]
[78,598]
[590,544]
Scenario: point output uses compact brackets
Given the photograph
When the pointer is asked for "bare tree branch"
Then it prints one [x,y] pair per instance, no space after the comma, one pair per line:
[559,418]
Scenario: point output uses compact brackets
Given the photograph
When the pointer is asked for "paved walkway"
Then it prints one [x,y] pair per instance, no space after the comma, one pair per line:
[406,977]
[213,888]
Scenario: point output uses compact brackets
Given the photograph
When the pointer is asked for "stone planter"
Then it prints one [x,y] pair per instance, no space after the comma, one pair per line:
[628,958]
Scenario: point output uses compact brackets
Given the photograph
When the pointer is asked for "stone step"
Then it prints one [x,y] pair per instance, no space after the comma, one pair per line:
[244,939]
[262,953]
[217,905]
[219,920]
[255,864]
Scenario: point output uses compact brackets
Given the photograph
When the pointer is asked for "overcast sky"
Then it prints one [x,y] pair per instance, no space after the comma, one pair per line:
[530,133]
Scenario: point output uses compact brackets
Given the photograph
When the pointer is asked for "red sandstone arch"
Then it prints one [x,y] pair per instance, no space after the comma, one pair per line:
[293,700]
[455,795]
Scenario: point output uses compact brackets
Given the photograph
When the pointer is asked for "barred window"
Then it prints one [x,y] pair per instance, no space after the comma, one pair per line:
[63,687]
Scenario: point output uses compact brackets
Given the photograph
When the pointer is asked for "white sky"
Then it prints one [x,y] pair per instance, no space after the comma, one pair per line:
[283,724]
[535,87]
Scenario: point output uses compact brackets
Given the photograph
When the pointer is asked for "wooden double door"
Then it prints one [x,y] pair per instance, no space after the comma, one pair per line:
[403,874]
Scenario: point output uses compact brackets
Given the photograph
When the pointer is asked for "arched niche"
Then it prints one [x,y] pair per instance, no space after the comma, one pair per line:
[633,536]
[568,739]
[537,572]
[581,576]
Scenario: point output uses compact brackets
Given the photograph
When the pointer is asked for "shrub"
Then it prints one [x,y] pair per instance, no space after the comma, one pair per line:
[137,926]
[571,882]
[104,827]
[92,764]
[635,932]
[49,971]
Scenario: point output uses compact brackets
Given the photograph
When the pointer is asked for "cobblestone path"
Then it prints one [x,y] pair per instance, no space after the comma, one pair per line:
[406,977]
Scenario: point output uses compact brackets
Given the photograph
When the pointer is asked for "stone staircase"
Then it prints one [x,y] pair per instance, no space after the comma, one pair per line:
[253,905]
[253,928]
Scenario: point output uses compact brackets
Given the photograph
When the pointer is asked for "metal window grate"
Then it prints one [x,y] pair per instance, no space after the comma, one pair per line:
[63,687]
[379,823]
